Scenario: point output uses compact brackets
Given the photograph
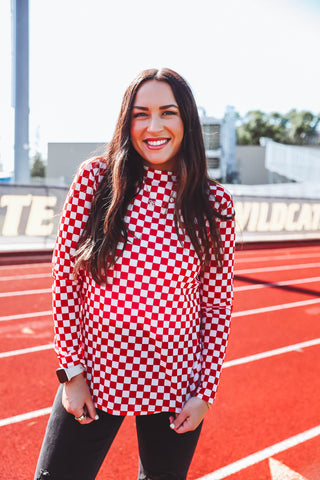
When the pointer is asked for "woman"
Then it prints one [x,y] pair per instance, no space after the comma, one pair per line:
[143,272]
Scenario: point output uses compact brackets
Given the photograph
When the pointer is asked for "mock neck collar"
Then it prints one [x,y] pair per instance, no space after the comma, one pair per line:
[159,175]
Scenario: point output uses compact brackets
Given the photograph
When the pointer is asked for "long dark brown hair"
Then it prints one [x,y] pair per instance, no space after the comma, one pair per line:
[124,173]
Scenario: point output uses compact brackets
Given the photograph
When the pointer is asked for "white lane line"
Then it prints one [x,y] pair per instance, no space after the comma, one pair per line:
[25,416]
[25,292]
[25,315]
[23,351]
[45,411]
[230,363]
[237,289]
[272,353]
[277,268]
[273,308]
[243,313]
[277,284]
[250,270]
[24,277]
[239,361]
[262,455]
[26,266]
[268,258]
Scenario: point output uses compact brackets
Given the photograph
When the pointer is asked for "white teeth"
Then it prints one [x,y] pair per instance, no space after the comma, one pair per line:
[156,143]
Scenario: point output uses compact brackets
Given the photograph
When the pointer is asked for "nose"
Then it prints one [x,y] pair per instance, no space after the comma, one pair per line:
[155,124]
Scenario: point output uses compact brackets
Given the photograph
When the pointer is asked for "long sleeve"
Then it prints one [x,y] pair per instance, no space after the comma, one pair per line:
[66,289]
[216,296]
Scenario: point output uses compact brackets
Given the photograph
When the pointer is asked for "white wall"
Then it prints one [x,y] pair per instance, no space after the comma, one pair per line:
[65,158]
[250,165]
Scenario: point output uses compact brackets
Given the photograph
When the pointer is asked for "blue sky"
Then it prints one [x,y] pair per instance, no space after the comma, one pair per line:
[250,54]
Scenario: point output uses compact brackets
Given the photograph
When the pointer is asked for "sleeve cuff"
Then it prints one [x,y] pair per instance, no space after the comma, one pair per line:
[73,371]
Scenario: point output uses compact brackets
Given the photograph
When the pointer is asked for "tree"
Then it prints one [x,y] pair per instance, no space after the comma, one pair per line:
[302,127]
[279,123]
[256,124]
[38,168]
[295,128]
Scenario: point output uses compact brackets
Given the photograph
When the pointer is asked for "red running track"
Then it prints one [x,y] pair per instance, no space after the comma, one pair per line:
[265,423]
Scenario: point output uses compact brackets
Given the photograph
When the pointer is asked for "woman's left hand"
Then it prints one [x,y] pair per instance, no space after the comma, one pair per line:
[190,416]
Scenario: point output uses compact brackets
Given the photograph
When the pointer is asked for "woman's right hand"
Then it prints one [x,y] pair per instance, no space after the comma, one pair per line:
[77,400]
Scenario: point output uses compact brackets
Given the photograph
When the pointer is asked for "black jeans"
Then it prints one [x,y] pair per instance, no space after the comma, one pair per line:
[71,451]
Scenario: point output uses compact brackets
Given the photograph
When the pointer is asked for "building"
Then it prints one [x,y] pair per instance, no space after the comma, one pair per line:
[220,142]
[64,160]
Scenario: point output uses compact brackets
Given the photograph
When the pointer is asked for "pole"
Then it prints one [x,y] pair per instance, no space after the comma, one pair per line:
[21,90]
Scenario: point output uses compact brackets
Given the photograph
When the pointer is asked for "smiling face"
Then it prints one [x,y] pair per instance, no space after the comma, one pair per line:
[156,125]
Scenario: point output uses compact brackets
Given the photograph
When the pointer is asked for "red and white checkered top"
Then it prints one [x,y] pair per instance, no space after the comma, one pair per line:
[156,332]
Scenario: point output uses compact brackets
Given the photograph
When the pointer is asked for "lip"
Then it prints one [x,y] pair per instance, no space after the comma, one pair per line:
[156,143]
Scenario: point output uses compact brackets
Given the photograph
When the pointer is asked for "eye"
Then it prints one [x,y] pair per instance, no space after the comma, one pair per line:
[139,115]
[168,113]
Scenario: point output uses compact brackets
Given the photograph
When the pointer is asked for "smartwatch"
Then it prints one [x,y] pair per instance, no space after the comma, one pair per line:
[65,374]
[62,375]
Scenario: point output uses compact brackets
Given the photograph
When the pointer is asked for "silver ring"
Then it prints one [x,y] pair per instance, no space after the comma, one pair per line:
[79,419]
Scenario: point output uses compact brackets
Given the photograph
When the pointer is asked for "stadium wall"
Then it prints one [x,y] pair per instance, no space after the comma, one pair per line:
[29,217]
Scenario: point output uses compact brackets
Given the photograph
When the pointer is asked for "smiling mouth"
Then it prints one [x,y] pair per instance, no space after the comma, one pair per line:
[157,143]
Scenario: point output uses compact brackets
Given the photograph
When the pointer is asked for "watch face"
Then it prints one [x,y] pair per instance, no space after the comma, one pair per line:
[62,376]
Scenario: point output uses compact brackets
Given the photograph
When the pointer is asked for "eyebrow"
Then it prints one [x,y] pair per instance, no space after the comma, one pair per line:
[164,107]
[169,106]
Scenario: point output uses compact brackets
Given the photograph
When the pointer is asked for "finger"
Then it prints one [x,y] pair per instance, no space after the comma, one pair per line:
[91,410]
[83,419]
[87,420]
[186,426]
[179,420]
[78,413]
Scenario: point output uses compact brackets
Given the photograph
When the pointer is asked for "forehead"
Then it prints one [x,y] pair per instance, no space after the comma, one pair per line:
[154,93]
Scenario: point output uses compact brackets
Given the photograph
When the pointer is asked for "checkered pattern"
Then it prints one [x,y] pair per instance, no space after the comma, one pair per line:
[156,332]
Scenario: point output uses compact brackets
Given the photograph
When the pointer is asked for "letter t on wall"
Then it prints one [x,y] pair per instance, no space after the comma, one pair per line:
[14,204]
